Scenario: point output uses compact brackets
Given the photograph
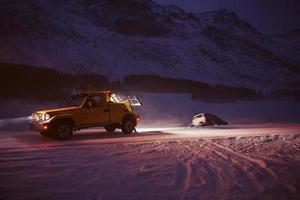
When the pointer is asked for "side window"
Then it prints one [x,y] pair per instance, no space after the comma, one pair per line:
[97,101]
[94,101]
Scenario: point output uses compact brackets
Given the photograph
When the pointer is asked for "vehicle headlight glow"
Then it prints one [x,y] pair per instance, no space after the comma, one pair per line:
[40,117]
[46,117]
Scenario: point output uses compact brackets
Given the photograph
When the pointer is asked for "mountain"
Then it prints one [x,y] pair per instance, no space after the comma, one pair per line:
[287,45]
[292,38]
[228,21]
[116,38]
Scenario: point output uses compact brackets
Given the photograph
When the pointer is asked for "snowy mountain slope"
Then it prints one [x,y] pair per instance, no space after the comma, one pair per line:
[117,38]
[228,21]
[291,38]
[289,44]
[286,46]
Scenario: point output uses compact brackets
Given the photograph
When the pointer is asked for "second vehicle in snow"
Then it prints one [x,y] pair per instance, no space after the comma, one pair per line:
[207,119]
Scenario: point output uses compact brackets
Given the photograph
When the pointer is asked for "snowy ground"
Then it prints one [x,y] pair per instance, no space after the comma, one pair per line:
[230,162]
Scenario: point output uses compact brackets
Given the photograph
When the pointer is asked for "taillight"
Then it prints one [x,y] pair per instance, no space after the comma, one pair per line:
[137,118]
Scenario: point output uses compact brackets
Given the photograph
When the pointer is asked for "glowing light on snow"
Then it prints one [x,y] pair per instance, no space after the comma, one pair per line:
[159,129]
[4,122]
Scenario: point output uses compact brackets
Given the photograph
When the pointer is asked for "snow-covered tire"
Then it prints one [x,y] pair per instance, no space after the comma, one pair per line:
[128,125]
[63,130]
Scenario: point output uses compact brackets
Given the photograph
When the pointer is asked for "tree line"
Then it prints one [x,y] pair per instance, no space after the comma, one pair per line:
[44,84]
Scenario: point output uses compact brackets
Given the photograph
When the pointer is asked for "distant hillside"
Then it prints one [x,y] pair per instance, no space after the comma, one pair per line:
[119,38]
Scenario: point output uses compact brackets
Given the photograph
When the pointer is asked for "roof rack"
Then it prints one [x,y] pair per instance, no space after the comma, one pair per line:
[134,101]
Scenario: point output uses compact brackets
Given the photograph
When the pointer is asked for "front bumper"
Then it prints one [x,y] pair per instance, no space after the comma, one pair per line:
[40,127]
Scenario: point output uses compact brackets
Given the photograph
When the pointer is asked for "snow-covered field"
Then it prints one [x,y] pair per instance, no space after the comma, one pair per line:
[226,162]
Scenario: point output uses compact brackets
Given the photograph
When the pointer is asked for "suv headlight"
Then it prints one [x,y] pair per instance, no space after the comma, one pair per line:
[46,117]
[40,117]
[34,117]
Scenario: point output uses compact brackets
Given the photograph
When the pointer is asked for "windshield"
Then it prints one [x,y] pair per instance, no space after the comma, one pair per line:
[75,101]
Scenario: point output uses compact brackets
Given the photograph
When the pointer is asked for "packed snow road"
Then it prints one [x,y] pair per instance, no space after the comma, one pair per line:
[229,162]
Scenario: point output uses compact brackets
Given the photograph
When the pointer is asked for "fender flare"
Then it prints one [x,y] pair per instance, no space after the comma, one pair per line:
[60,118]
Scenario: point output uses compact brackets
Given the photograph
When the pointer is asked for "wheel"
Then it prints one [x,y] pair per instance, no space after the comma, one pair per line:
[63,131]
[128,125]
[45,134]
[110,128]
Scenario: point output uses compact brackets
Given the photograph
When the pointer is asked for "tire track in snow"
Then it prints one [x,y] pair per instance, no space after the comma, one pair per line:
[258,162]
[184,170]
[184,167]
[189,159]
[224,182]
[185,158]
[250,175]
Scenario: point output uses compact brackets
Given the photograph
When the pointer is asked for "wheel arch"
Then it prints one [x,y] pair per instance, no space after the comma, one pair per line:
[60,119]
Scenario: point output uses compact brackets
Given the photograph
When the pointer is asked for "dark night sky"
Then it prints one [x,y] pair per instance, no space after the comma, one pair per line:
[268,16]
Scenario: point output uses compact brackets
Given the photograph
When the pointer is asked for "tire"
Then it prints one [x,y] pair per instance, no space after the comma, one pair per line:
[128,125]
[110,128]
[63,131]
